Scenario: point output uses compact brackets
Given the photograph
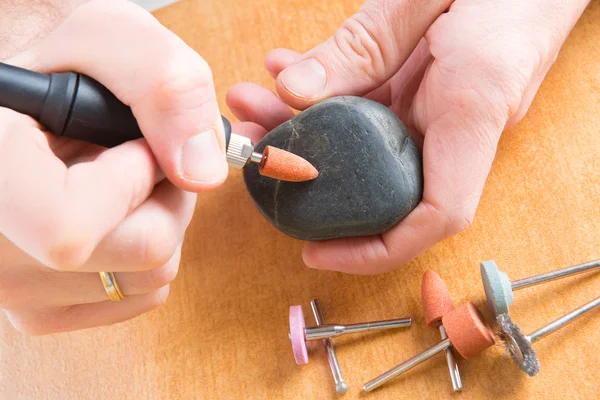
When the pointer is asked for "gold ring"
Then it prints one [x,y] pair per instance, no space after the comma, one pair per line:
[110,285]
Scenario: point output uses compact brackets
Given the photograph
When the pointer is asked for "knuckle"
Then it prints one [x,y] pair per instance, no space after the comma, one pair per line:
[65,246]
[160,296]
[186,83]
[156,248]
[67,253]
[453,220]
[161,277]
[501,66]
[458,221]
[357,41]
[502,74]
[170,270]
[510,79]
[373,251]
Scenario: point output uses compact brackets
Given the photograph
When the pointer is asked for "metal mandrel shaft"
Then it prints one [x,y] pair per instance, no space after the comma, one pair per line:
[405,366]
[340,385]
[553,275]
[300,334]
[272,162]
[499,288]
[562,321]
[520,346]
[452,365]
[331,331]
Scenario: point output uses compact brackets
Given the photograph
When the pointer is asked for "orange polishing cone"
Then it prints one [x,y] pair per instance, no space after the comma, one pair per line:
[283,165]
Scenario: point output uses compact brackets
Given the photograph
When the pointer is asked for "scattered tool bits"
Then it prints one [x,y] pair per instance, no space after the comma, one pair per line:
[300,333]
[499,292]
[467,331]
[462,329]
[437,303]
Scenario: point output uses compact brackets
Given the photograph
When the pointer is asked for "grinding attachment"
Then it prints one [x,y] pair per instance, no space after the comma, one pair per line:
[285,166]
[497,287]
[437,303]
[297,326]
[436,299]
[299,333]
[341,386]
[467,330]
[518,345]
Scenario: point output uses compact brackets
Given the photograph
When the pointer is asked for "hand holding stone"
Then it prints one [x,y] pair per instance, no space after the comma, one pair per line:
[456,79]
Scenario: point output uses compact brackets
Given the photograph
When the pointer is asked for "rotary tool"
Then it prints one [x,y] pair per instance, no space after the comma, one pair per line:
[76,106]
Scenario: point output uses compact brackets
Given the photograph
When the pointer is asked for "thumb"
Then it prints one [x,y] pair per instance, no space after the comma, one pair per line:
[364,53]
[168,86]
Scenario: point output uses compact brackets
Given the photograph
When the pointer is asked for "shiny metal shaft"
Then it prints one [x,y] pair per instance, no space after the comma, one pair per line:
[452,365]
[331,331]
[405,366]
[550,276]
[340,386]
[564,320]
[256,157]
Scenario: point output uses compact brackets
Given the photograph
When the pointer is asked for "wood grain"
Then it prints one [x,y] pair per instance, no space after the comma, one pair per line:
[223,332]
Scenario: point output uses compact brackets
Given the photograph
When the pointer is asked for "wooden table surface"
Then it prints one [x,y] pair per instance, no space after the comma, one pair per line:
[223,332]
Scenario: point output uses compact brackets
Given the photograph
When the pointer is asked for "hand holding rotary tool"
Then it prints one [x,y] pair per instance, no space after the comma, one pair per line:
[70,209]
[77,107]
[78,206]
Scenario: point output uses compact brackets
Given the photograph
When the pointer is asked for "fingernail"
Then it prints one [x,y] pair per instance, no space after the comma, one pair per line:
[307,79]
[202,158]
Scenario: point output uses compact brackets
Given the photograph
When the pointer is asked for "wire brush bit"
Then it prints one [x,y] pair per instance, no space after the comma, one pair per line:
[518,345]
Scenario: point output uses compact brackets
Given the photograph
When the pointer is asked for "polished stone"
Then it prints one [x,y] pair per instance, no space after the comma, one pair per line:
[370,172]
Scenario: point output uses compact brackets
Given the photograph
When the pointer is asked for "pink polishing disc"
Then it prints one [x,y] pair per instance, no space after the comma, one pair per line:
[297,326]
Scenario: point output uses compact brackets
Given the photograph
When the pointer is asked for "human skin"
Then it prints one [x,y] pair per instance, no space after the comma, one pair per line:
[69,209]
[457,79]
[54,238]
[24,23]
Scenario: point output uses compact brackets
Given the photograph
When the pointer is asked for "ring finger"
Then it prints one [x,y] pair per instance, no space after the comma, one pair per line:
[83,316]
[43,289]
[145,240]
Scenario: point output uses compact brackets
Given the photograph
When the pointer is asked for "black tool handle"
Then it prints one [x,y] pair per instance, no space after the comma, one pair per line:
[72,105]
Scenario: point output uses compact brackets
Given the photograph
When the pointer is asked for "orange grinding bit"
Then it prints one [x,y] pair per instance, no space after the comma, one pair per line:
[437,303]
[283,165]
[467,330]
[435,298]
[467,333]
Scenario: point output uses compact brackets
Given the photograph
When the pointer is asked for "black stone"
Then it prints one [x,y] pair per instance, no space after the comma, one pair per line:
[370,172]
